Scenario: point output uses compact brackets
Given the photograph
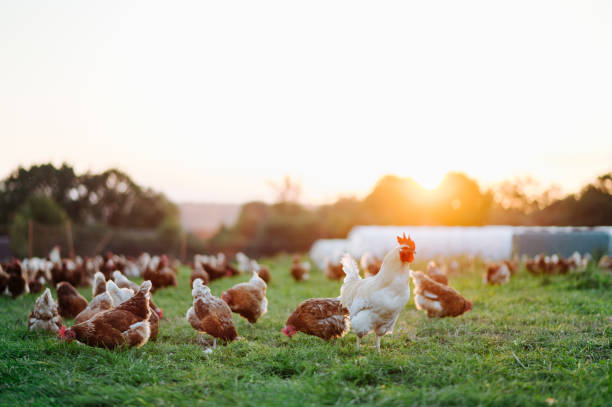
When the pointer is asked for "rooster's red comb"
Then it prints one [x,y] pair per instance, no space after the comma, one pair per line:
[406,241]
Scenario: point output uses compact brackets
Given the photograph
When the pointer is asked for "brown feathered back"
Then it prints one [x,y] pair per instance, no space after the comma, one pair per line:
[199,272]
[453,303]
[322,317]
[248,299]
[70,302]
[215,318]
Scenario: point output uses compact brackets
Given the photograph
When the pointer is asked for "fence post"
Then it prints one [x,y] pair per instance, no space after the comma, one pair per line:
[30,238]
[183,250]
[69,238]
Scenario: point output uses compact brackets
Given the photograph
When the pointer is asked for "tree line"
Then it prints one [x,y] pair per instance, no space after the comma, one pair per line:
[49,195]
[458,201]
[52,195]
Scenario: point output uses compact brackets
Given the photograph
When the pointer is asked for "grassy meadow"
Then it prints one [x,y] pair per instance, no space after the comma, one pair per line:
[536,341]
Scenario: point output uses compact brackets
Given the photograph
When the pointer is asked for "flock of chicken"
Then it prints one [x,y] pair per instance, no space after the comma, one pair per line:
[123,313]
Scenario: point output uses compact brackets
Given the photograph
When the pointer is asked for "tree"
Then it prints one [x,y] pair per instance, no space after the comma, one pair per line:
[40,209]
[111,197]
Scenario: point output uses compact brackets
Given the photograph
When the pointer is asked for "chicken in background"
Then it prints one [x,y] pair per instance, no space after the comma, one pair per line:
[142,262]
[263,271]
[67,270]
[244,263]
[99,284]
[118,295]
[17,283]
[216,266]
[497,274]
[605,263]
[333,270]
[580,263]
[70,302]
[100,303]
[38,273]
[513,266]
[159,273]
[560,265]
[210,315]
[126,324]
[375,302]
[532,266]
[370,264]
[45,316]
[436,273]
[248,299]
[322,317]
[300,270]
[123,282]
[438,300]
[199,272]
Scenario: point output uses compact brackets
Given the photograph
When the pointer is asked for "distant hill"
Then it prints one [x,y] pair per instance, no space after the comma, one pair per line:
[204,219]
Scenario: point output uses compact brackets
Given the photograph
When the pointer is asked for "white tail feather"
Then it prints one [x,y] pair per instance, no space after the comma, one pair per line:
[350,268]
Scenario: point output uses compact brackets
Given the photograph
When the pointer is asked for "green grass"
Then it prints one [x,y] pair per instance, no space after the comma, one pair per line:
[525,342]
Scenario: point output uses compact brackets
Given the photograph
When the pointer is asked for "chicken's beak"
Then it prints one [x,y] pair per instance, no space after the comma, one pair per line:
[288,332]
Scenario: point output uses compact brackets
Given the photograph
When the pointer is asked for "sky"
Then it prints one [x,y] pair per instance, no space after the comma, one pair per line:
[213,101]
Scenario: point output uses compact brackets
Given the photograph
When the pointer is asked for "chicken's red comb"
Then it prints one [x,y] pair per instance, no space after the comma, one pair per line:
[62,332]
[407,241]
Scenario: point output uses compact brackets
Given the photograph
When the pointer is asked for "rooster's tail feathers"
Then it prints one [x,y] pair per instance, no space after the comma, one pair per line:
[350,268]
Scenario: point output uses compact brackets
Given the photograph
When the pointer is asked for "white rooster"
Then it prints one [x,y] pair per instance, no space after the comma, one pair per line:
[375,303]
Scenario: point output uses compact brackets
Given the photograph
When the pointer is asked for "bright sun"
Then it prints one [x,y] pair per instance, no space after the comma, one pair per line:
[428,180]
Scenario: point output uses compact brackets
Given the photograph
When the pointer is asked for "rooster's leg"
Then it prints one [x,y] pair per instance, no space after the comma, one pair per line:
[200,339]
[378,343]
[358,342]
[214,343]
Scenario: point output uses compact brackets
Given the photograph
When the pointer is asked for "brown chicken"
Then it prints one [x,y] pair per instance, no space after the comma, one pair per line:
[438,300]
[263,271]
[210,315]
[512,265]
[560,265]
[215,272]
[248,299]
[45,316]
[100,303]
[497,274]
[199,272]
[532,267]
[299,270]
[334,270]
[71,303]
[160,274]
[370,264]
[17,279]
[35,286]
[67,270]
[605,263]
[322,317]
[436,273]
[126,324]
